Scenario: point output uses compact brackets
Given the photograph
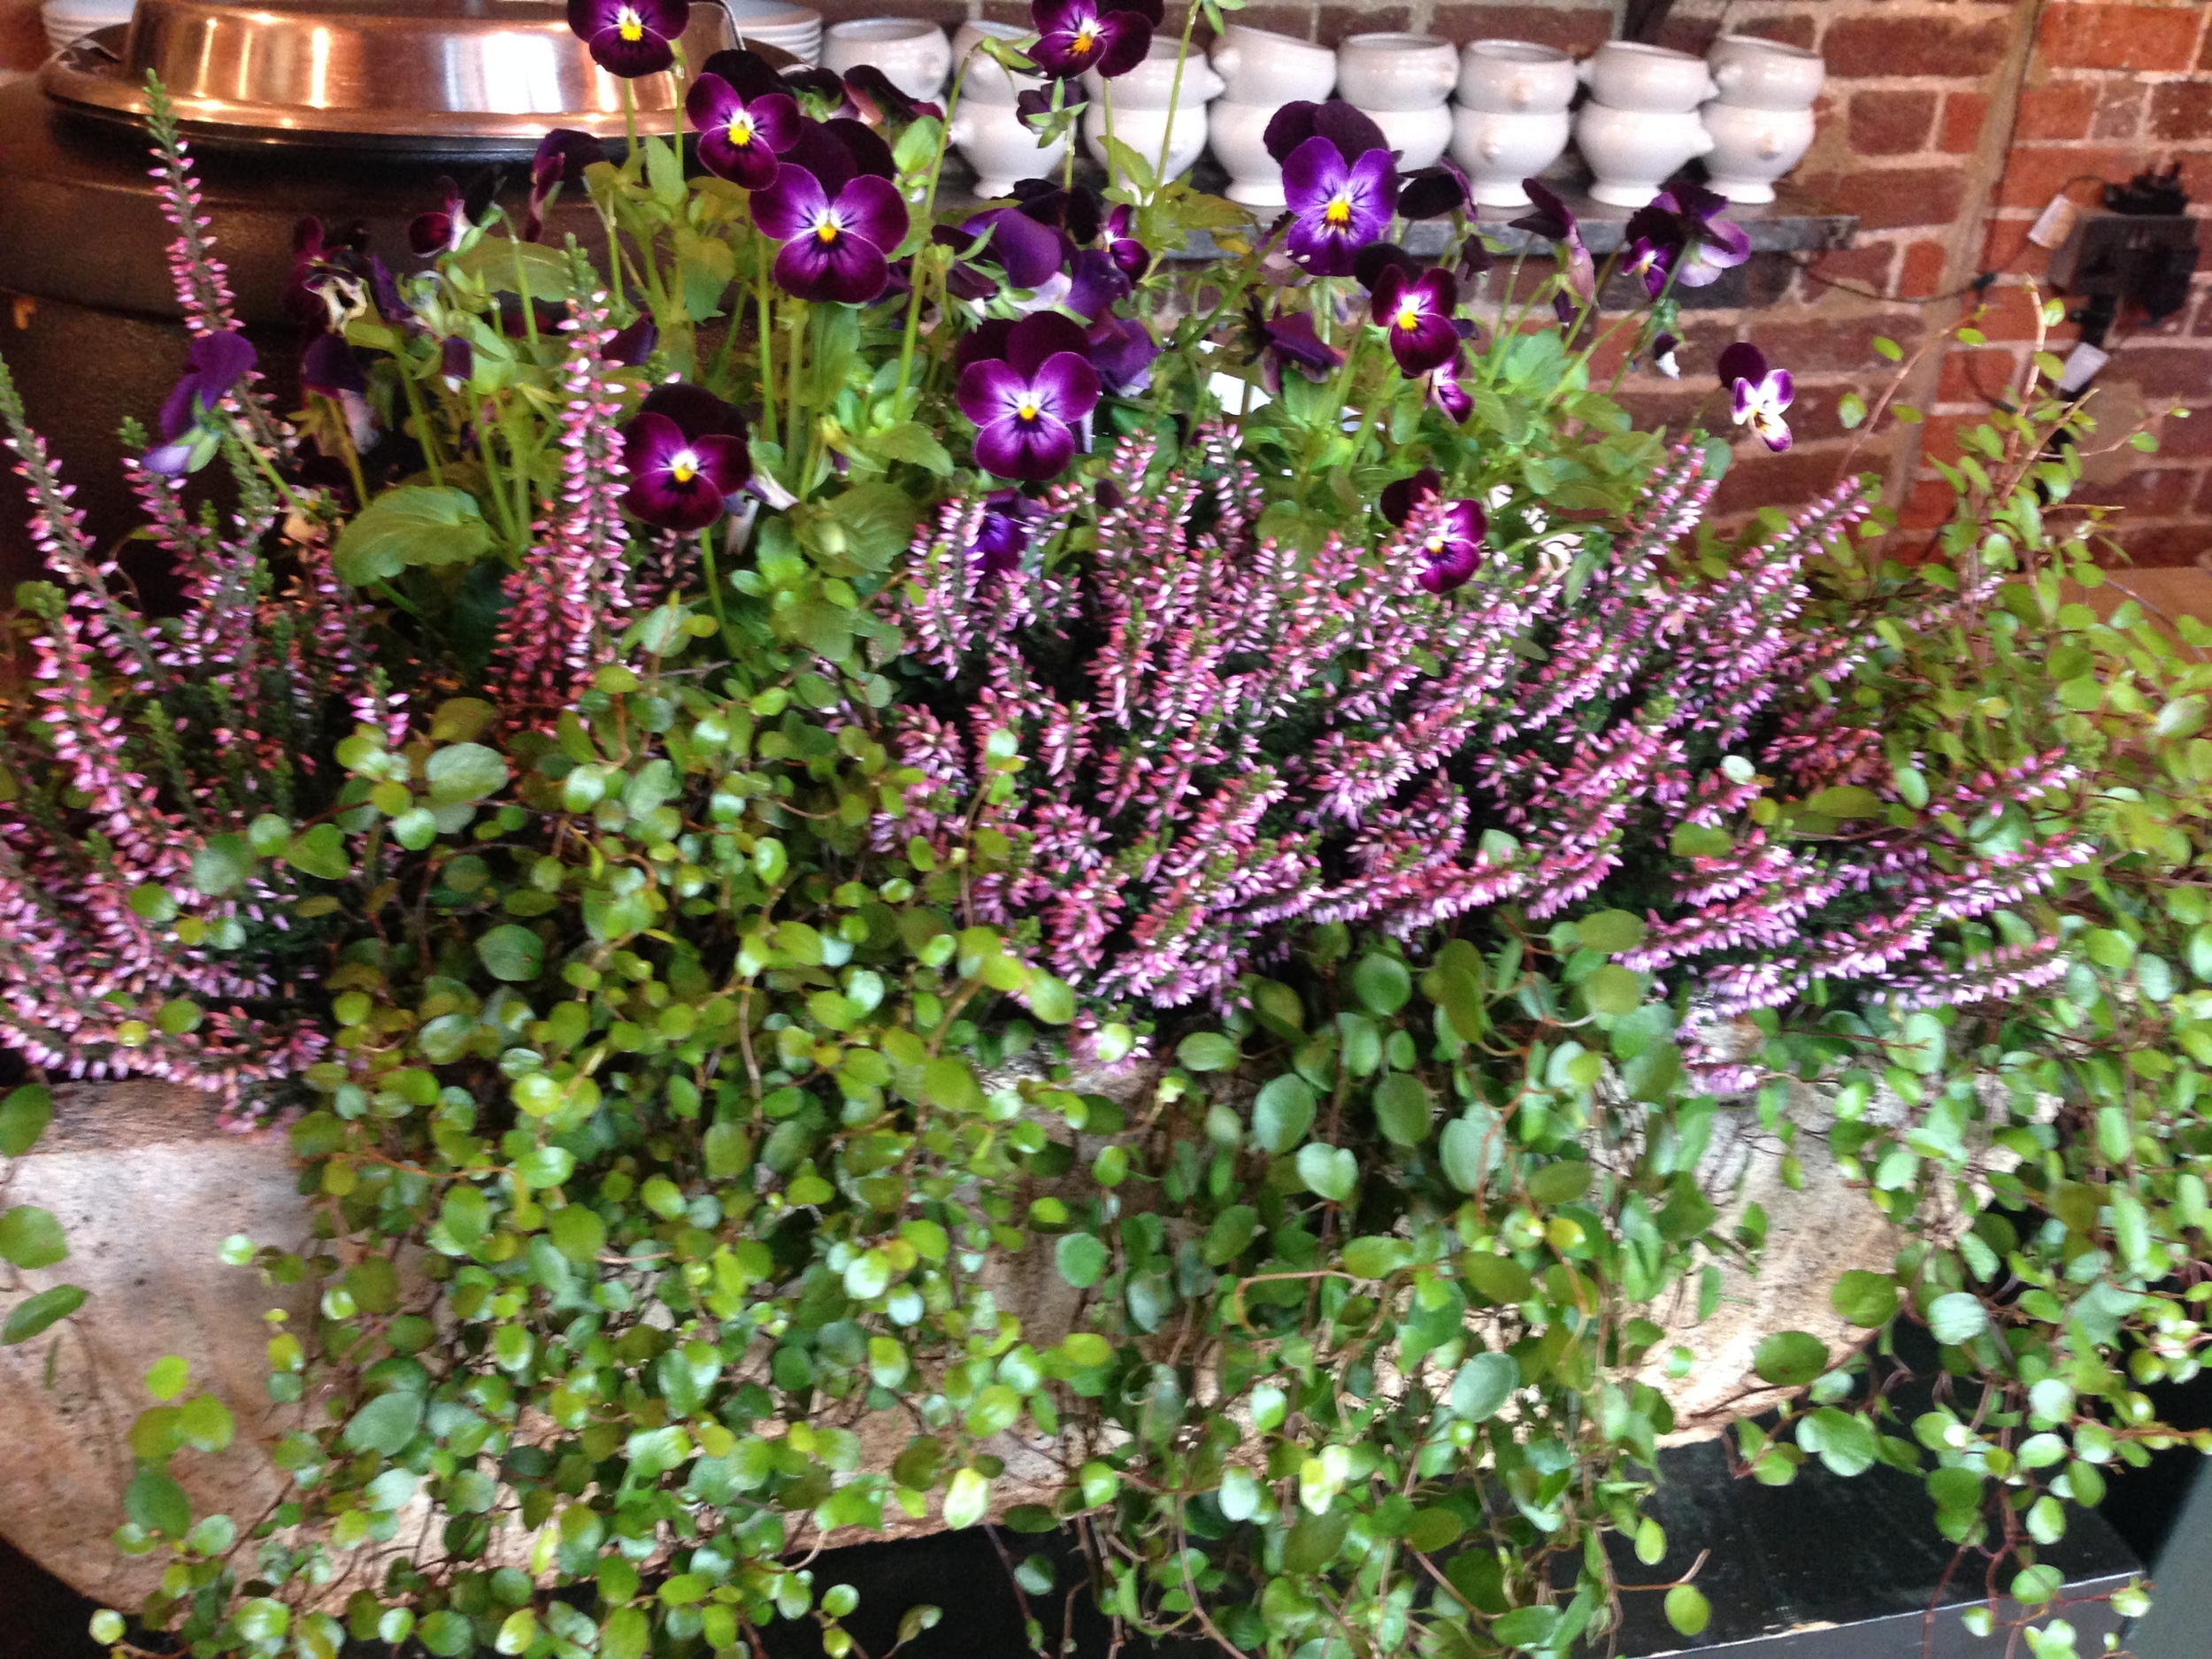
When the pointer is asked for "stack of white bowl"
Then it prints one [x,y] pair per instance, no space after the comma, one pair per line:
[1641,125]
[1511,121]
[68,20]
[912,52]
[1400,82]
[1152,111]
[986,127]
[1261,71]
[1762,123]
[793,28]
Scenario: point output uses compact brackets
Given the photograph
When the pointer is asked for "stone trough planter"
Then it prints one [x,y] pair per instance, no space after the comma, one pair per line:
[147,1187]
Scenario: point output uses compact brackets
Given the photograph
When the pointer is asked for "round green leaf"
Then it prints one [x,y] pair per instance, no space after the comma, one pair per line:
[464,771]
[1332,1171]
[1082,1259]
[386,1423]
[1207,1051]
[1282,1113]
[511,953]
[1382,984]
[1688,1609]
[1865,1299]
[1240,1495]
[1957,1317]
[319,851]
[24,1116]
[577,1232]
[1560,1183]
[1790,1359]
[1401,1109]
[967,1499]
[1051,1000]
[1485,1383]
[31,1237]
[34,1315]
[1613,989]
[157,1502]
[1610,932]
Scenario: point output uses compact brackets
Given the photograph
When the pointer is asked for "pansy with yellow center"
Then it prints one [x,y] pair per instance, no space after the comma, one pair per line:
[836,247]
[1337,207]
[1415,311]
[741,128]
[1027,404]
[1109,36]
[630,38]
[686,453]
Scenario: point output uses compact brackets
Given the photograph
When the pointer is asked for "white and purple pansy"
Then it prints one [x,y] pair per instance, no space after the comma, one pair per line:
[1337,206]
[215,364]
[630,38]
[1415,314]
[837,241]
[741,128]
[1760,394]
[1076,35]
[1452,550]
[685,450]
[1027,403]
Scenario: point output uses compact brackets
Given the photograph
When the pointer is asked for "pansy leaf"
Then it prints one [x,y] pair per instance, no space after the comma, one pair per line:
[414,524]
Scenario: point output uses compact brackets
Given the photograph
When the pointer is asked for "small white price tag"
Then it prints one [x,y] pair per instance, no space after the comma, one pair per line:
[2056,221]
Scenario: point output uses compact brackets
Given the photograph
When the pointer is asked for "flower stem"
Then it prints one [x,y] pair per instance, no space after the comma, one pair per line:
[1174,92]
[714,581]
[929,212]
[423,435]
[522,288]
[767,342]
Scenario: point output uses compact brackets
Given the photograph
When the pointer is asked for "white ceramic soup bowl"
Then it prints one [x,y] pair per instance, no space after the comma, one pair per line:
[1509,77]
[986,79]
[1151,83]
[1756,74]
[1497,150]
[912,52]
[1395,71]
[1237,133]
[1000,147]
[1143,131]
[1630,75]
[1633,152]
[1754,148]
[1260,66]
[1419,136]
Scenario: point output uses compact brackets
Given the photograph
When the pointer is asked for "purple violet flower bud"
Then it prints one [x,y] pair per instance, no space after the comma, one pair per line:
[1553,221]
[1290,340]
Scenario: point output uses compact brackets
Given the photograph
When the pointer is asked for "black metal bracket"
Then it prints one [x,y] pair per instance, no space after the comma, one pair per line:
[1645,20]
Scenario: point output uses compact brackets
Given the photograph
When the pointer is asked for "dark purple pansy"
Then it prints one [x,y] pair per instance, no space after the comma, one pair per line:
[1337,207]
[1027,405]
[835,245]
[1651,244]
[1030,252]
[1075,35]
[739,138]
[631,346]
[1759,393]
[329,366]
[685,450]
[1446,392]
[1352,132]
[1378,256]
[630,38]
[1453,547]
[215,364]
[1415,315]
[840,149]
[1132,255]
[1075,209]
[1002,536]
[442,229]
[1122,350]
[1040,107]
[1712,244]
[1474,259]
[879,101]
[1282,340]
[1663,350]
[562,154]
[1096,284]
[822,93]
[457,363]
[1433,192]
[1402,497]
[1555,222]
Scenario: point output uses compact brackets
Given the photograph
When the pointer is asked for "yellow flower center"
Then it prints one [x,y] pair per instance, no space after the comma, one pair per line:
[629,25]
[740,132]
[825,233]
[1339,211]
[1085,37]
[1027,412]
[1408,318]
[684,467]
[1436,544]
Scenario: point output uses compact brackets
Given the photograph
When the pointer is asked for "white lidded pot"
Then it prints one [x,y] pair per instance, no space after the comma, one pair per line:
[1418,136]
[912,52]
[1237,133]
[1496,150]
[1394,71]
[1000,147]
[1261,67]
[1633,152]
[1754,148]
[1152,82]
[1760,74]
[1630,75]
[984,79]
[1514,77]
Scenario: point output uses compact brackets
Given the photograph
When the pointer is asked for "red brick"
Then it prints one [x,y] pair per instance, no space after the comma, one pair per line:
[1940,435]
[2185,437]
[1866,265]
[1921,275]
[2177,371]
[1879,45]
[1787,480]
[2120,105]
[1890,123]
[2165,546]
[1930,504]
[1964,115]
[1337,21]
[2061,110]
[2182,109]
[2036,172]
[1814,344]
[1687,34]
[2076,35]
[1570,28]
[2204,496]
[1660,403]
[2148,492]
[1893,197]
[1973,376]
[2013,311]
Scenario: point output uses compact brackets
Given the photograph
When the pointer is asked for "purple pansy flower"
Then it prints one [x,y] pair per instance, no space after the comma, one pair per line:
[562,154]
[1027,405]
[1004,535]
[1710,244]
[215,364]
[1289,341]
[1553,221]
[630,38]
[1663,350]
[1030,253]
[1074,35]
[329,366]
[1123,248]
[1453,548]
[1075,209]
[1653,244]
[1378,256]
[1448,394]
[739,137]
[1122,350]
[444,228]
[835,246]
[1096,284]
[1337,207]
[630,348]
[686,453]
[1761,393]
[1433,192]
[1415,314]
[1352,133]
